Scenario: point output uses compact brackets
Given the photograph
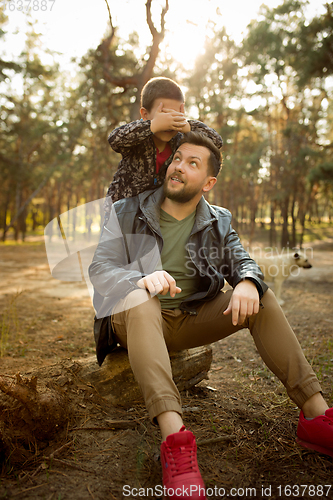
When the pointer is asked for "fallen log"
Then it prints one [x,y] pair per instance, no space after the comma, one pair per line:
[115,381]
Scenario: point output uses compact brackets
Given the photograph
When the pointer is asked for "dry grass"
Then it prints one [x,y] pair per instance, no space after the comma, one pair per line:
[249,407]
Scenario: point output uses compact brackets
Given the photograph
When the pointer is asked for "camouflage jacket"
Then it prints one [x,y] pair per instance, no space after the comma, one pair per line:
[137,169]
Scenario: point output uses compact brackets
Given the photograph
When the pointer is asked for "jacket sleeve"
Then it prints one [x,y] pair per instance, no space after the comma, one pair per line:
[197,126]
[129,135]
[122,257]
[111,272]
[238,265]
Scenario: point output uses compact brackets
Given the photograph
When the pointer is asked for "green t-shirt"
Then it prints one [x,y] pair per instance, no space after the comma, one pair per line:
[174,257]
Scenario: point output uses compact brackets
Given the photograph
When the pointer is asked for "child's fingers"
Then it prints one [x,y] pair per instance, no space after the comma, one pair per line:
[173,112]
[179,126]
[178,121]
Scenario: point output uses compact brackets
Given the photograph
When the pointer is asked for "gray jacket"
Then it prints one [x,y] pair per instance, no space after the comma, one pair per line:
[130,248]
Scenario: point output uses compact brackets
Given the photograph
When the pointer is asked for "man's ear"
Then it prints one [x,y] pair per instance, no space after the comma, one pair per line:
[209,184]
[144,113]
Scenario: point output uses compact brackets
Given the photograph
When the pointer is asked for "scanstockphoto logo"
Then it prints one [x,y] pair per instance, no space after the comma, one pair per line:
[71,241]
[224,260]
[274,263]
[280,264]
[192,491]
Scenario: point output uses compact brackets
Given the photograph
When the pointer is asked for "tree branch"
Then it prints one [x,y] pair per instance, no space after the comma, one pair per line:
[150,23]
[157,38]
[110,18]
[164,11]
[138,80]
[125,82]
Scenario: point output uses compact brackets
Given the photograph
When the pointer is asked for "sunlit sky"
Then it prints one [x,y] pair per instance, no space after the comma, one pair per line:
[71,27]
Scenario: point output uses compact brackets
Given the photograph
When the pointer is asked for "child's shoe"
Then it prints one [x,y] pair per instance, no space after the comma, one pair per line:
[181,475]
[317,433]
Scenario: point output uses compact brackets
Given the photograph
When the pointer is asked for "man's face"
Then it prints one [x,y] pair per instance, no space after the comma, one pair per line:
[187,176]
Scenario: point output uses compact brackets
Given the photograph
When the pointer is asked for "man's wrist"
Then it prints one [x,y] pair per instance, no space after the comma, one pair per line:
[134,281]
[249,280]
[255,283]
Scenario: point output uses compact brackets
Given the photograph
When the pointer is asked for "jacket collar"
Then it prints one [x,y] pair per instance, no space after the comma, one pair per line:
[150,205]
[205,216]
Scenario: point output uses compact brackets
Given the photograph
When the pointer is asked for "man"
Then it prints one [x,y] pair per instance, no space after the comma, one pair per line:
[177,303]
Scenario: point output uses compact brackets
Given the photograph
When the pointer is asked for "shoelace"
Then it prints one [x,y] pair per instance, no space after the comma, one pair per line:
[323,418]
[329,420]
[181,460]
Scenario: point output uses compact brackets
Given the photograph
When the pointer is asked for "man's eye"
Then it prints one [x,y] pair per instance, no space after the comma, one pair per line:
[194,163]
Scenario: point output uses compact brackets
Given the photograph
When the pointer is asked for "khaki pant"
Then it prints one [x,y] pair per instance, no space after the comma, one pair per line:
[149,333]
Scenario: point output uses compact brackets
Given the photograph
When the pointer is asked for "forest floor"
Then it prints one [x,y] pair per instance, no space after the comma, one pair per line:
[47,323]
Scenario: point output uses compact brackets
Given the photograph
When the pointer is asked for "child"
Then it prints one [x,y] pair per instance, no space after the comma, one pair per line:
[147,145]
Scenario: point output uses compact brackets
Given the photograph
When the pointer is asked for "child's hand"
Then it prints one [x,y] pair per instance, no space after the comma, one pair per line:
[168,119]
[187,126]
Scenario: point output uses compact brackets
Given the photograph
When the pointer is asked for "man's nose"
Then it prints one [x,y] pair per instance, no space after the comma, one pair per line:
[180,166]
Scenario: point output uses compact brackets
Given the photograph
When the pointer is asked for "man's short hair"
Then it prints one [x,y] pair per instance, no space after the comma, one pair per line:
[214,159]
[160,88]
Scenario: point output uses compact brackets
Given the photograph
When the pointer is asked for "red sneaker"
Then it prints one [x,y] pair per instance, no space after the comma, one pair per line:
[316,434]
[181,475]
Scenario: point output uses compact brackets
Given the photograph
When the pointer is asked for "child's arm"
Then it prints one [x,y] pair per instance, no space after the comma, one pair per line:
[196,126]
[133,133]
[129,135]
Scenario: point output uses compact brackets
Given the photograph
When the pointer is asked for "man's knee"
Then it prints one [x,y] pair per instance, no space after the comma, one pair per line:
[269,299]
[139,301]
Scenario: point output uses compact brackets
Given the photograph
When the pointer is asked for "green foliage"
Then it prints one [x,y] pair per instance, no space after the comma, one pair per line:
[269,97]
[314,48]
[30,138]
[323,172]
[5,66]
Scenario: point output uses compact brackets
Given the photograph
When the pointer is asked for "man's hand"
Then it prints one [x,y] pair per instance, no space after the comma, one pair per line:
[169,119]
[244,302]
[159,282]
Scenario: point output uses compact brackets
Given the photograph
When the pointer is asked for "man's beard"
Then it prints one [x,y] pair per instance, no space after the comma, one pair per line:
[183,196]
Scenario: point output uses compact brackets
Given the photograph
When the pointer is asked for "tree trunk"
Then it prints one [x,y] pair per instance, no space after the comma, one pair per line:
[272,229]
[17,207]
[293,216]
[5,211]
[285,240]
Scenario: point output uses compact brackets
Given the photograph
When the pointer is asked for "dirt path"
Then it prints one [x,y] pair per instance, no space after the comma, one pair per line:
[45,321]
